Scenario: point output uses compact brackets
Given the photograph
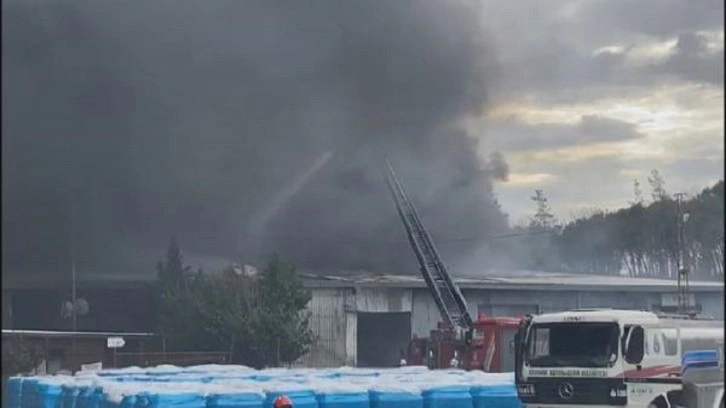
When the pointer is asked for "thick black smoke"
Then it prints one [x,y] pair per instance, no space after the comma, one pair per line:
[240,128]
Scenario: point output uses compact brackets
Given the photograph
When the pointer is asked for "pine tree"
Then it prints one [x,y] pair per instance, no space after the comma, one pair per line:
[543,218]
[637,193]
[657,186]
[260,320]
[172,273]
[283,318]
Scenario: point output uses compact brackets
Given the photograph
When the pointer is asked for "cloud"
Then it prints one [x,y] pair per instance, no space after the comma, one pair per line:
[655,67]
[658,18]
[605,182]
[514,134]
[125,125]
[570,51]
[528,179]
[693,60]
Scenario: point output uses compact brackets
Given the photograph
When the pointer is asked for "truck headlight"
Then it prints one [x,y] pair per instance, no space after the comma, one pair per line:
[525,389]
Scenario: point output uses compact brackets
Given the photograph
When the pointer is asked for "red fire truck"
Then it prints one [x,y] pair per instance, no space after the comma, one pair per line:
[490,348]
[482,344]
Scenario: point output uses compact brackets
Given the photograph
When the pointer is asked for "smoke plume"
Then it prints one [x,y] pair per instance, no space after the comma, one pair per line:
[240,128]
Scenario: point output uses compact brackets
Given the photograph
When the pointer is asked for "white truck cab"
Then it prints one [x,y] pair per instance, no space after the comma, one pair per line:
[605,357]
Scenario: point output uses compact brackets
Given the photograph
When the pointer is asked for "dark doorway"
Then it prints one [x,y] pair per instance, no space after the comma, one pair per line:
[381,338]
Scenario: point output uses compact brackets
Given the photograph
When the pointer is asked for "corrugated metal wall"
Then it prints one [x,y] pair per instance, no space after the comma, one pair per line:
[334,318]
[517,301]
[383,300]
[425,315]
[328,322]
[334,321]
[495,303]
[619,300]
[712,303]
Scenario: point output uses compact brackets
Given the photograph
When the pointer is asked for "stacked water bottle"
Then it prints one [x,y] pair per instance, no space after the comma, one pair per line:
[227,386]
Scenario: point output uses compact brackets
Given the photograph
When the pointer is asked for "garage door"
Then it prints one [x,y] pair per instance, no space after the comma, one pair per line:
[381,338]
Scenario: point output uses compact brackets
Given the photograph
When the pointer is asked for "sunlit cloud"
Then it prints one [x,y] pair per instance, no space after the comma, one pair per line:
[640,54]
[714,40]
[524,179]
[653,67]
[677,123]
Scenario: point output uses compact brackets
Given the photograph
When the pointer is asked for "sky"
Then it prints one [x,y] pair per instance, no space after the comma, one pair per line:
[593,94]
[251,127]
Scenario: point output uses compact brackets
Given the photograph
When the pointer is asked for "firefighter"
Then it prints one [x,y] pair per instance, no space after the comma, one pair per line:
[432,359]
[282,402]
[403,361]
[454,363]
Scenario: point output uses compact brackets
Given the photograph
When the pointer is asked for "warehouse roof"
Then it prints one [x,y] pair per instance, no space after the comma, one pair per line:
[72,334]
[515,280]
[503,280]
[86,281]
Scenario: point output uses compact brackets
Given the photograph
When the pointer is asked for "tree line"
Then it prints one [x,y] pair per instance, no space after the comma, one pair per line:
[641,240]
[260,319]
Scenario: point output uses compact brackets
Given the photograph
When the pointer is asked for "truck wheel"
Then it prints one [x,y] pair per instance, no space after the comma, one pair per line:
[675,399]
[659,402]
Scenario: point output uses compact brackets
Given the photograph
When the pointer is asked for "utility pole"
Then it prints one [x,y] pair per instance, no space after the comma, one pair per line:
[683,284]
[72,255]
[73,291]
[73,308]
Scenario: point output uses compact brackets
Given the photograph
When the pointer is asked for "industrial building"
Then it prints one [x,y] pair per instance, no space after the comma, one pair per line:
[363,320]
[368,320]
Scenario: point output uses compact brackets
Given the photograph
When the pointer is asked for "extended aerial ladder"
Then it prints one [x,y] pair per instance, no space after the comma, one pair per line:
[446,293]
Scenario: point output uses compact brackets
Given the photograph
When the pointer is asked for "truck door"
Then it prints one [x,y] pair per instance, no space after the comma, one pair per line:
[519,346]
[507,346]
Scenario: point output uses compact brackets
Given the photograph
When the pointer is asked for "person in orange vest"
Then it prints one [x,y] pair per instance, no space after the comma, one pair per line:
[282,402]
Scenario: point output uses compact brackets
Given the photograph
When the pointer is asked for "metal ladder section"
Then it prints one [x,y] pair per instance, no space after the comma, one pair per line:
[446,293]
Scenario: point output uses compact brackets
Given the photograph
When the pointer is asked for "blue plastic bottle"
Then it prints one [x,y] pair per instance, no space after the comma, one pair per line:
[395,399]
[15,392]
[495,396]
[343,399]
[447,397]
[235,400]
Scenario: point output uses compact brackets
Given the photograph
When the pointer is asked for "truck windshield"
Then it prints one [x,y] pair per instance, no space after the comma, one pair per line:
[573,345]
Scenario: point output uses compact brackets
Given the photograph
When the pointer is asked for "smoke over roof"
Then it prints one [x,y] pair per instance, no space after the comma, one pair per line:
[240,128]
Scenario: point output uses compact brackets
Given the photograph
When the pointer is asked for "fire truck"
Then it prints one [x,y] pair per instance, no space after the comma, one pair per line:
[491,348]
[484,343]
[626,358]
